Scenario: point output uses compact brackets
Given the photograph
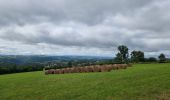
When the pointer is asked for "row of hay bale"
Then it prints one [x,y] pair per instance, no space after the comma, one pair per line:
[86,69]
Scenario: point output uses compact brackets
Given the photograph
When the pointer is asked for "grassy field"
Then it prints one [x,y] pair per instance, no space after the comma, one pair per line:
[140,82]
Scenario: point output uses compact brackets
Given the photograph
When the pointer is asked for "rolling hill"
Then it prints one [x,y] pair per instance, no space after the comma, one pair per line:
[142,81]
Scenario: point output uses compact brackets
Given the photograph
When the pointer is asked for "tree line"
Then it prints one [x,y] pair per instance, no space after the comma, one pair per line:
[136,56]
[13,68]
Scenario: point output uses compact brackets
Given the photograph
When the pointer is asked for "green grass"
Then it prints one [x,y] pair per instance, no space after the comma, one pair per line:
[140,82]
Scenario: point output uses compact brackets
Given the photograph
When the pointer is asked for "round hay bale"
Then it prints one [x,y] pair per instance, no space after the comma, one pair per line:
[97,69]
[90,69]
[60,71]
[57,71]
[109,68]
[84,69]
[122,66]
[114,67]
[51,71]
[71,70]
[103,68]
[79,70]
[66,70]
[74,70]
[117,66]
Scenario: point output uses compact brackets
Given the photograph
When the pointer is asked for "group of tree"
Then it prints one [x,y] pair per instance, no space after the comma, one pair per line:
[13,68]
[136,56]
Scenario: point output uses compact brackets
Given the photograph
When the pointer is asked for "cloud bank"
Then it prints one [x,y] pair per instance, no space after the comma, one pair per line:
[84,27]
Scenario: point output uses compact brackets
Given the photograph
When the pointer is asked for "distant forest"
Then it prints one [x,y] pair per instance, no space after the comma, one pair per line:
[16,64]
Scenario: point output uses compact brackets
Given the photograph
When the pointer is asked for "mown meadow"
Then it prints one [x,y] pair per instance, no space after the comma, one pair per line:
[140,82]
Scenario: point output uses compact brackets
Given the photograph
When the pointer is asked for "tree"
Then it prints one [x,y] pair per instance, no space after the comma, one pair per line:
[118,58]
[137,56]
[152,59]
[122,55]
[162,58]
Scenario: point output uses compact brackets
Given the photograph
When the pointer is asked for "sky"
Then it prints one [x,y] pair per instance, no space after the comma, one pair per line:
[84,27]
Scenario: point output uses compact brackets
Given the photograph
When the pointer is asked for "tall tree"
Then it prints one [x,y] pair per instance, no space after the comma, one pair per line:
[122,55]
[162,58]
[137,56]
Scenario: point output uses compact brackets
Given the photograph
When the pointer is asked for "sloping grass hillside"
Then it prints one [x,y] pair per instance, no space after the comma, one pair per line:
[140,82]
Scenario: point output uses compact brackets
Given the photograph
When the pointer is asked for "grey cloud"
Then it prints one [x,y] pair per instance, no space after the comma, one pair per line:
[92,25]
[63,35]
[88,11]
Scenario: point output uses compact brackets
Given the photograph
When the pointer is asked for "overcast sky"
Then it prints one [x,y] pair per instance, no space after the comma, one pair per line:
[84,27]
